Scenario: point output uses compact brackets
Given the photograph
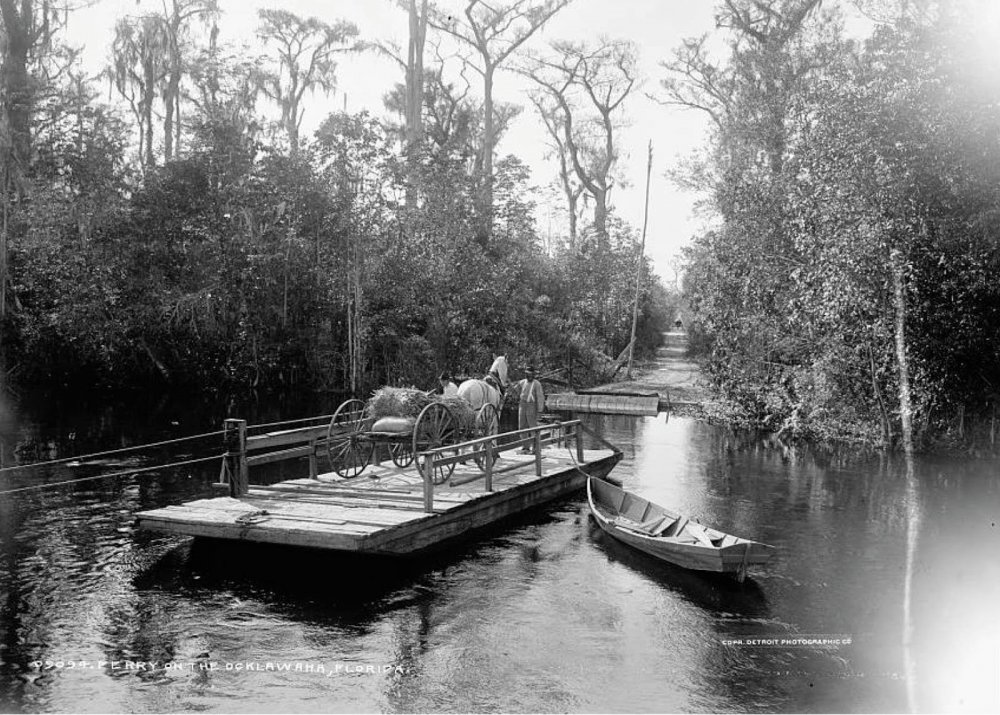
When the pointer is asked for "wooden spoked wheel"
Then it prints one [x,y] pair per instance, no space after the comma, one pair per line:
[401,452]
[348,449]
[435,427]
[487,423]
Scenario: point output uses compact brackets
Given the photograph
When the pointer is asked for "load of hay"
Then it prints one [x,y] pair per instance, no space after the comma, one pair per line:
[409,402]
[397,402]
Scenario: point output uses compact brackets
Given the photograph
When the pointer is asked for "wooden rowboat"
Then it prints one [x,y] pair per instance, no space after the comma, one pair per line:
[668,536]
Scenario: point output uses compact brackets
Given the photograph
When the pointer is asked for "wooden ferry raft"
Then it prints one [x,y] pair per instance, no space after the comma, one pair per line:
[388,509]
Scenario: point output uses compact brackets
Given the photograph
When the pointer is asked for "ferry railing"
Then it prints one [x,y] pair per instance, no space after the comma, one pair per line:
[240,451]
[569,432]
[243,452]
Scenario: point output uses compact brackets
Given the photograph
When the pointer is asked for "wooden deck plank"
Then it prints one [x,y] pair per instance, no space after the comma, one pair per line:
[385,517]
[306,493]
[291,509]
[224,522]
[270,520]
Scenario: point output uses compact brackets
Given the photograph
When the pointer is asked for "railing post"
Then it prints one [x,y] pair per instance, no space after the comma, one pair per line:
[313,466]
[537,439]
[427,472]
[488,463]
[579,442]
[235,438]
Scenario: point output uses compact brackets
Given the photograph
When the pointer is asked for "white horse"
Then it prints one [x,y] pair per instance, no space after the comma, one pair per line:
[489,390]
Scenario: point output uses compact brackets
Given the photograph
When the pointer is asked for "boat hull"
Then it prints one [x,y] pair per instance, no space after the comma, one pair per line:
[731,554]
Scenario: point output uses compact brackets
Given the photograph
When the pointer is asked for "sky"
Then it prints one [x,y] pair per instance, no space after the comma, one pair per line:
[656,26]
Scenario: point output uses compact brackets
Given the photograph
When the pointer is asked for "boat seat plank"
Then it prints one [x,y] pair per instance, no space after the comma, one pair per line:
[698,531]
[649,527]
[678,526]
[664,525]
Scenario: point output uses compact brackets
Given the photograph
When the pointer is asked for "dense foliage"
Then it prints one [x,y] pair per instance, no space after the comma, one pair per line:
[850,282]
[252,257]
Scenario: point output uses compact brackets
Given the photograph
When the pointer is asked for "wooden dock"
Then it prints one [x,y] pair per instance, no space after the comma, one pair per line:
[388,509]
[609,403]
[671,383]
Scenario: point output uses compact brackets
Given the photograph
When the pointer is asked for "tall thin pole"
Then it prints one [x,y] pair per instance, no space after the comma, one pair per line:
[638,264]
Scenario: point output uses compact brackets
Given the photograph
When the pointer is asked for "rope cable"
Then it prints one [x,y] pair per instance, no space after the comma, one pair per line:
[110,452]
[109,476]
[288,422]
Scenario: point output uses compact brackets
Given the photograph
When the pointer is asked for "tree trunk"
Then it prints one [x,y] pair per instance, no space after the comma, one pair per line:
[601,218]
[148,90]
[170,105]
[571,200]
[4,223]
[293,131]
[486,178]
[883,412]
[15,119]
[415,97]
[14,81]
[177,124]
[899,303]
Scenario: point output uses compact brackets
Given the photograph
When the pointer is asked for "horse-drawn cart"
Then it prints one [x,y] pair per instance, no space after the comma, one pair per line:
[357,429]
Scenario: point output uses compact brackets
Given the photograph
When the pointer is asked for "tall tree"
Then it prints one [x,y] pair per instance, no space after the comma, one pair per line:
[176,20]
[27,44]
[306,50]
[417,10]
[600,79]
[571,187]
[140,52]
[494,31]
[412,100]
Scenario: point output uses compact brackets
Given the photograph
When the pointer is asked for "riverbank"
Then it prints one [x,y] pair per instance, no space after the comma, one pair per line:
[684,390]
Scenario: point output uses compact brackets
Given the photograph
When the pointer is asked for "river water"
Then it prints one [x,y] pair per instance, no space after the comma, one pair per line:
[543,614]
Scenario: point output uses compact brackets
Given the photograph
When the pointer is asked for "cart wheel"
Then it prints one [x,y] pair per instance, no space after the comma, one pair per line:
[487,423]
[348,448]
[435,427]
[402,453]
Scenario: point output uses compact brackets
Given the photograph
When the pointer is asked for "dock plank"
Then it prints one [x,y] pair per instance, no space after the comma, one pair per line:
[224,523]
[292,509]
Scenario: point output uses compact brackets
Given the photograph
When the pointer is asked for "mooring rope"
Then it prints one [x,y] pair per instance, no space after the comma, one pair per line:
[111,452]
[109,476]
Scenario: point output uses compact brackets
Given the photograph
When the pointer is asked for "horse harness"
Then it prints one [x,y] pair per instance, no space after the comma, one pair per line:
[493,380]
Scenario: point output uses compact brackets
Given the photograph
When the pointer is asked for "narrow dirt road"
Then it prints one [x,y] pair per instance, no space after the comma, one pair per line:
[670,375]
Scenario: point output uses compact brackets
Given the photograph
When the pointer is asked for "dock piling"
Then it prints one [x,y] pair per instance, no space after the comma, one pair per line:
[427,472]
[488,467]
[313,465]
[537,439]
[235,438]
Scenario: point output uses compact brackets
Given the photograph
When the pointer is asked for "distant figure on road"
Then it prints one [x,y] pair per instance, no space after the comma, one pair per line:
[678,324]
[531,402]
[448,387]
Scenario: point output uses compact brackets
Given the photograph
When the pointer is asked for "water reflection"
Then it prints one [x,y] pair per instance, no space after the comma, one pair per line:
[542,613]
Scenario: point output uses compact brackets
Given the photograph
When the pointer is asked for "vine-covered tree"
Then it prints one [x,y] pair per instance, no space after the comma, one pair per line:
[140,53]
[176,20]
